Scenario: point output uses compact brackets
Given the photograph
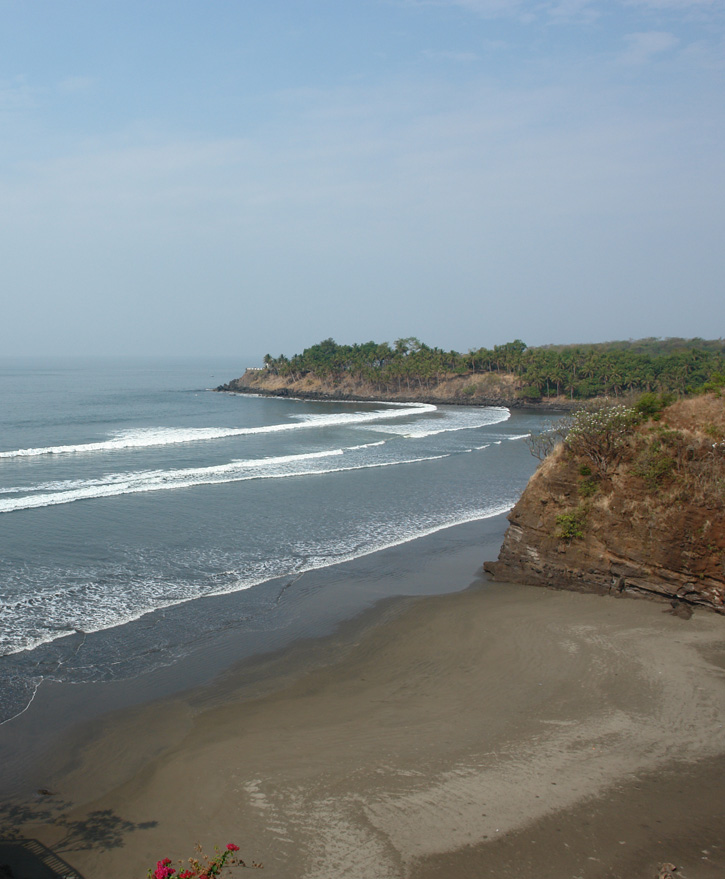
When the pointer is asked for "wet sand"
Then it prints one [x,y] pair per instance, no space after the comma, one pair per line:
[502,731]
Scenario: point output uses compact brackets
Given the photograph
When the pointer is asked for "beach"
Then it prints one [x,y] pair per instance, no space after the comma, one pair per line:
[497,730]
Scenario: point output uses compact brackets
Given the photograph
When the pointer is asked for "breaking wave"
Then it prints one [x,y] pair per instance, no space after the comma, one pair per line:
[115,484]
[141,438]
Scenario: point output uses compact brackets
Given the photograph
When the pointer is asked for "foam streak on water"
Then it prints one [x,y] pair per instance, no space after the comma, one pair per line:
[118,484]
[90,608]
[165,436]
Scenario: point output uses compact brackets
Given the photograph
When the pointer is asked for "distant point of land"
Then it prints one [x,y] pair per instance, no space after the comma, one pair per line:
[512,374]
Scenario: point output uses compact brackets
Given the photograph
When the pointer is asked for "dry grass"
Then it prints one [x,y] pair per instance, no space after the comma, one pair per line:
[697,414]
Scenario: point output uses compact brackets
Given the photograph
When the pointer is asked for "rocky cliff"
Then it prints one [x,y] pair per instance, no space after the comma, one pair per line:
[479,389]
[641,511]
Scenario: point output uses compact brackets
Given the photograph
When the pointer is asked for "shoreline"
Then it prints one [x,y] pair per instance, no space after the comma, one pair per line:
[491,533]
[560,406]
[489,731]
[334,599]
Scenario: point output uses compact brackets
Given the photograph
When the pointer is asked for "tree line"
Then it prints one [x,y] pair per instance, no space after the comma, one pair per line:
[577,371]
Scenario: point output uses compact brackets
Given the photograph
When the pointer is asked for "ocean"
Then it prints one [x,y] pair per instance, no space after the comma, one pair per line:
[142,514]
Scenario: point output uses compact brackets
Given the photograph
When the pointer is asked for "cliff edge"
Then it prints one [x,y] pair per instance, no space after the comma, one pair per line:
[630,502]
[481,389]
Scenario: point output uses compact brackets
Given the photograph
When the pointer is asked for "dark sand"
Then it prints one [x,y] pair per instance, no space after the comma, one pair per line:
[501,731]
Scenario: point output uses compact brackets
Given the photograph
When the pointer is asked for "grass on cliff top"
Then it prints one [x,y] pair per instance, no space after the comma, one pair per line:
[675,451]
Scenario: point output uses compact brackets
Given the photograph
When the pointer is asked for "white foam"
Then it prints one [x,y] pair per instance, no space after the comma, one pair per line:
[140,438]
[139,477]
[43,616]
[371,543]
[95,609]
[115,484]
[446,421]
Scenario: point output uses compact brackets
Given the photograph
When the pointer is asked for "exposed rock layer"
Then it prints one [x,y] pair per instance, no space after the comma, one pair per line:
[479,389]
[663,537]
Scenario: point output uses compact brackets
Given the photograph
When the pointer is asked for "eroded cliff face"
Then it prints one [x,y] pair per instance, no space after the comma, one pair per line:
[654,525]
[480,389]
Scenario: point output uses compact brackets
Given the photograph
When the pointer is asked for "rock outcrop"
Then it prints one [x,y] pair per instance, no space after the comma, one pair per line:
[654,524]
[480,389]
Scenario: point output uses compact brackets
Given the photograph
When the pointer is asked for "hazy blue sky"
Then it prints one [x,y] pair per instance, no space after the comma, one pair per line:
[200,176]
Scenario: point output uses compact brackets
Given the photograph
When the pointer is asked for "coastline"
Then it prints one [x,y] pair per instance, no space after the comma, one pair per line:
[316,605]
[497,730]
[297,390]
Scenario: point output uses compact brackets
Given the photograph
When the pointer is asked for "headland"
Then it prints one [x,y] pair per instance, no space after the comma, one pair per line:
[631,502]
[448,390]
[512,374]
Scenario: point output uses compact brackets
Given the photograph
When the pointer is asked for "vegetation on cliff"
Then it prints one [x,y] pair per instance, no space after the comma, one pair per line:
[578,372]
[632,498]
[677,451]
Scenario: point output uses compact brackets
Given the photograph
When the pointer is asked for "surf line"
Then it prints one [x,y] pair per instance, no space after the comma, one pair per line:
[152,436]
[171,480]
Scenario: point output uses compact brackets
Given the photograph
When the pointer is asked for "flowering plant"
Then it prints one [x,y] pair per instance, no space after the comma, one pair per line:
[206,868]
[601,435]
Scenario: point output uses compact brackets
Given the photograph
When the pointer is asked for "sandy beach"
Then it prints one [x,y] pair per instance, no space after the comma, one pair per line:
[502,731]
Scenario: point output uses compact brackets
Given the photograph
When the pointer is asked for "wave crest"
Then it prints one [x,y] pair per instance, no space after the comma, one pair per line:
[146,437]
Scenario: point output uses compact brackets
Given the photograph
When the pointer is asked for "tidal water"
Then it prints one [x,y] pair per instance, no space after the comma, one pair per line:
[131,494]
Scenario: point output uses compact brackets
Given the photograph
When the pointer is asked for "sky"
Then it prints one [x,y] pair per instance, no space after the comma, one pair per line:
[200,177]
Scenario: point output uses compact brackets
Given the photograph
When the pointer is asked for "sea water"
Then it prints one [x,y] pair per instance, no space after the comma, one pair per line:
[131,491]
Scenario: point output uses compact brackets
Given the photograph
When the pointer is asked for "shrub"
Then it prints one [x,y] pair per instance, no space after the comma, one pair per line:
[588,487]
[678,445]
[571,525]
[601,435]
[715,385]
[654,465]
[651,405]
[529,393]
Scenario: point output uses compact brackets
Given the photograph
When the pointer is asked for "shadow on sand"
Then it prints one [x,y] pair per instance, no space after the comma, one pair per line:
[22,857]
[30,859]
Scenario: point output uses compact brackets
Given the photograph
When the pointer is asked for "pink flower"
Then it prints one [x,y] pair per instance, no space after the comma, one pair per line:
[232,848]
